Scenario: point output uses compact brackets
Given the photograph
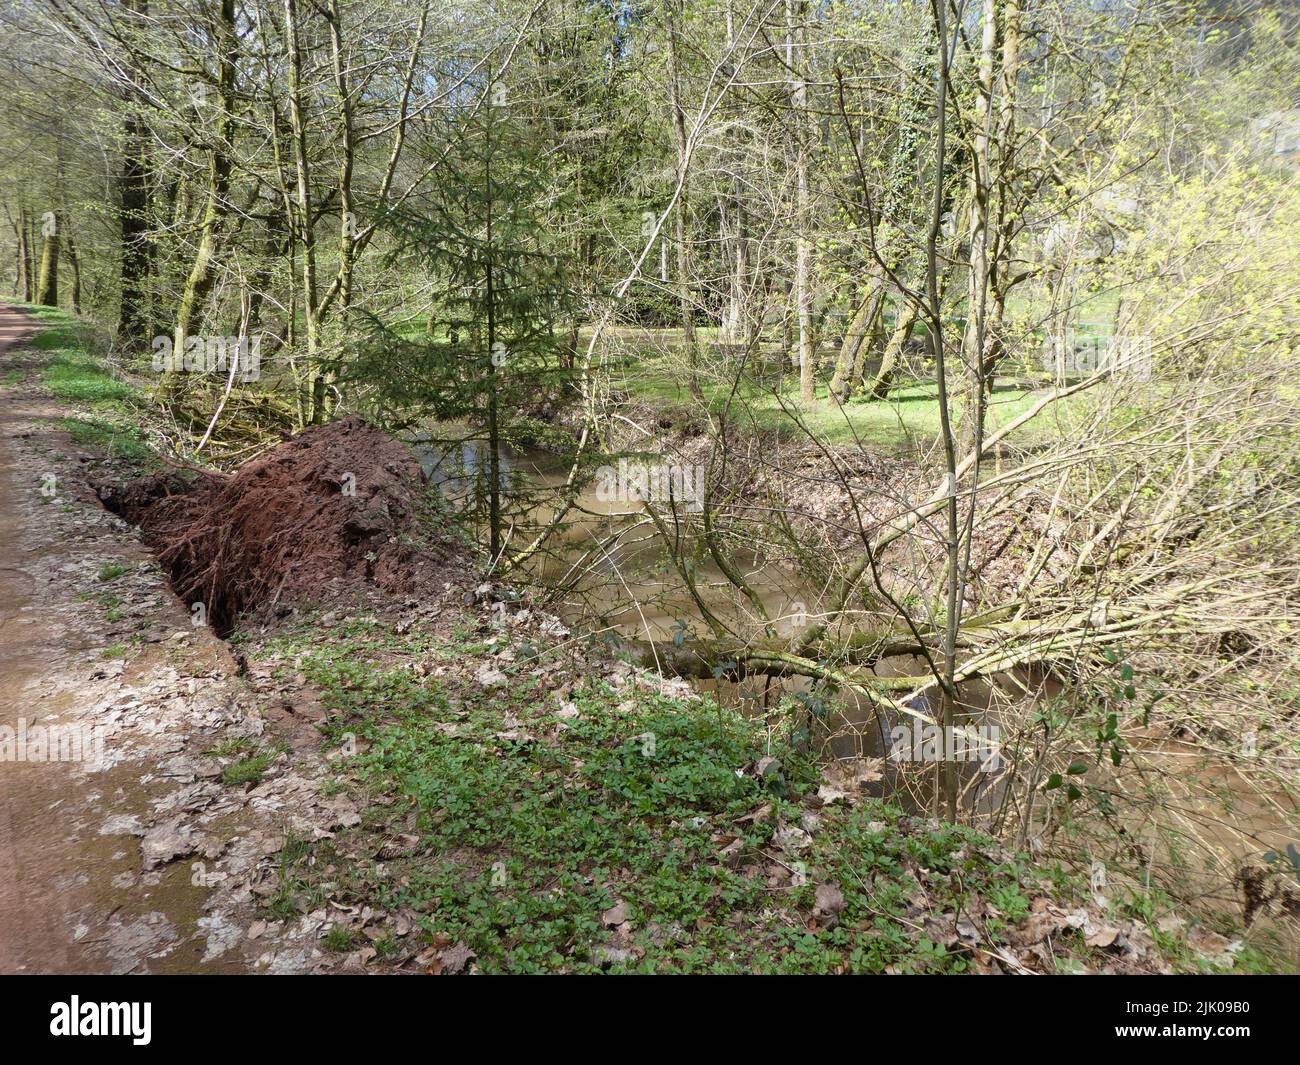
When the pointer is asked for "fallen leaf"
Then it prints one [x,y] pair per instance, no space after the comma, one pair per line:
[1103,937]
[455,958]
[1034,929]
[791,839]
[489,676]
[730,855]
[829,900]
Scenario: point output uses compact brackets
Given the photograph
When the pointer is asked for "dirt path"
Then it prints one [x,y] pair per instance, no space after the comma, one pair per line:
[129,854]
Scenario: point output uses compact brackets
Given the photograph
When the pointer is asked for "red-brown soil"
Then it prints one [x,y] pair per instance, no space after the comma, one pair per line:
[338,506]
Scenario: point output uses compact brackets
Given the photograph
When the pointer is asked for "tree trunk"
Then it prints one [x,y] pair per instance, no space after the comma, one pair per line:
[74,260]
[47,287]
[995,343]
[199,283]
[680,215]
[27,255]
[981,262]
[907,315]
[738,329]
[849,367]
[795,58]
[494,431]
[569,355]
[134,319]
[304,221]
[18,258]
[347,228]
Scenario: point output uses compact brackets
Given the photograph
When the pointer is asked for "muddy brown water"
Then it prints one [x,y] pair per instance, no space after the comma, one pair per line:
[615,571]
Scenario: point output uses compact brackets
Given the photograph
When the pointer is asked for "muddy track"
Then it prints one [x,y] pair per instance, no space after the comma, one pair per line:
[128,854]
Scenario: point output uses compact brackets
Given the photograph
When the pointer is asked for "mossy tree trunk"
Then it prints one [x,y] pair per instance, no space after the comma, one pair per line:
[47,286]
[857,342]
[889,361]
[27,255]
[74,260]
[198,285]
[134,318]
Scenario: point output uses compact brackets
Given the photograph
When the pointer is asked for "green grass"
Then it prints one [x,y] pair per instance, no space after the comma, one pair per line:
[252,759]
[73,373]
[339,938]
[111,571]
[247,770]
[113,438]
[112,606]
[653,373]
[293,895]
[525,833]
[231,747]
[77,377]
[648,365]
[105,409]
[910,415]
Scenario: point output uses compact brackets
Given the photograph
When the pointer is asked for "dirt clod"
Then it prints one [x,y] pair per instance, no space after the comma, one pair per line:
[336,505]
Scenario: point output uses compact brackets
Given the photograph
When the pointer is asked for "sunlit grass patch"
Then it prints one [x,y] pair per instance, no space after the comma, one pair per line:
[75,376]
[114,438]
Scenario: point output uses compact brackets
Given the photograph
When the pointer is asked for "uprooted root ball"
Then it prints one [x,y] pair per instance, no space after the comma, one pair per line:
[338,504]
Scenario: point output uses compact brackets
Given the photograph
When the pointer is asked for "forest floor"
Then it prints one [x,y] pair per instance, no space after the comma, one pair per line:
[441,782]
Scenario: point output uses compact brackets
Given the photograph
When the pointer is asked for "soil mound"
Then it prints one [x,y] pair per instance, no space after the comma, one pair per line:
[338,505]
